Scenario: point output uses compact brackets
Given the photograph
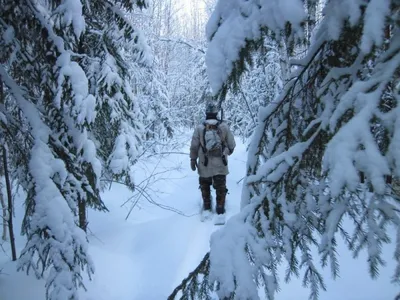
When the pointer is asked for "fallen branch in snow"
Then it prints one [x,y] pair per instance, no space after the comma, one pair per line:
[159,144]
[143,188]
[143,193]
[2,273]
[92,234]
[237,182]
[150,200]
[167,153]
[4,250]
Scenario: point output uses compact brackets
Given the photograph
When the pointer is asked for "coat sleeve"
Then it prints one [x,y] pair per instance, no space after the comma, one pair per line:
[195,144]
[230,140]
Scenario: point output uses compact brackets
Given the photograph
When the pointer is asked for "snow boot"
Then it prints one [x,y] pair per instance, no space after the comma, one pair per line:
[219,219]
[221,196]
[220,210]
[205,188]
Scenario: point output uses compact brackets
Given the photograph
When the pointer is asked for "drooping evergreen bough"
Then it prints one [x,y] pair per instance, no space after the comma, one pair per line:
[69,118]
[324,155]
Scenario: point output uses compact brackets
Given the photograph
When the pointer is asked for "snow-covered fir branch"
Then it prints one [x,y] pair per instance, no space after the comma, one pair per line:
[323,150]
[65,77]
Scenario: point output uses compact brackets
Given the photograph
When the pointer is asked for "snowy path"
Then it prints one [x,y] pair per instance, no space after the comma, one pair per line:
[156,248]
[145,257]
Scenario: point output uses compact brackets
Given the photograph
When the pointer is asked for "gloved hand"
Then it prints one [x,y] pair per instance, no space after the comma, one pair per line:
[227,151]
[193,164]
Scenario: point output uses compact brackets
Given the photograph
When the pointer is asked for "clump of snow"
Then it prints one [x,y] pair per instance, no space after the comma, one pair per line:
[141,44]
[84,105]
[119,160]
[339,11]
[234,21]
[375,17]
[109,73]
[71,11]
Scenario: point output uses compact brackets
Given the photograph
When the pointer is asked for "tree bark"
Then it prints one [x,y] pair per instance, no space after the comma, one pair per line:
[82,214]
[8,186]
[10,206]
[4,208]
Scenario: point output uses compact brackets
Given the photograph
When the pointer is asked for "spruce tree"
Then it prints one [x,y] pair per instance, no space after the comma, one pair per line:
[323,152]
[69,118]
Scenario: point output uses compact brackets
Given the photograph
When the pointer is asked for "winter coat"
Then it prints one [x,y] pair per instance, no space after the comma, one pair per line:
[215,165]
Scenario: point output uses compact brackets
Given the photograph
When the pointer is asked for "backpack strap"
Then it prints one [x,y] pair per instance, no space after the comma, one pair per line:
[222,144]
[204,146]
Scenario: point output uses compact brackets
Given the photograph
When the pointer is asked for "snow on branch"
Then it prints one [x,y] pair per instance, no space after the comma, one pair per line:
[71,14]
[234,21]
[322,151]
[59,244]
[274,168]
[84,104]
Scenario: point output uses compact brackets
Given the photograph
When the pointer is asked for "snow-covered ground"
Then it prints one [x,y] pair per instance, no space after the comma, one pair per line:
[147,255]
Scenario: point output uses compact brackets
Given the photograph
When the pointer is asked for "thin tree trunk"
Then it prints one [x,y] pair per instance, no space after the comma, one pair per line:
[10,206]
[8,186]
[3,204]
[4,208]
[82,214]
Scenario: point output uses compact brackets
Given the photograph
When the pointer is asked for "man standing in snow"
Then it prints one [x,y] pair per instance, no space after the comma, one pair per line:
[212,143]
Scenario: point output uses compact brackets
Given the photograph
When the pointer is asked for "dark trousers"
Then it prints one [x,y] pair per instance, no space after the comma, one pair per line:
[219,184]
